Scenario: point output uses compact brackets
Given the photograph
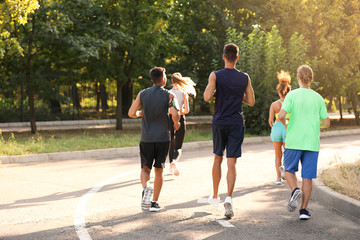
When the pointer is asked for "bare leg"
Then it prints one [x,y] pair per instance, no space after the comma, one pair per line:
[291,180]
[216,174]
[159,179]
[278,156]
[145,176]
[231,176]
[306,189]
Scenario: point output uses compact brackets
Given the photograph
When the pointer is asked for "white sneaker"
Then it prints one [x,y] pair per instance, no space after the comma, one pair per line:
[229,212]
[214,201]
[146,198]
[282,171]
[277,181]
[174,169]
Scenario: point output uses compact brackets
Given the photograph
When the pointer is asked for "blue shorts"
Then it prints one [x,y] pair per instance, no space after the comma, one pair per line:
[278,132]
[308,160]
[230,137]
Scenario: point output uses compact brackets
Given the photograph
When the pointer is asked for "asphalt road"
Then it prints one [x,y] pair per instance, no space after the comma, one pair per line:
[100,199]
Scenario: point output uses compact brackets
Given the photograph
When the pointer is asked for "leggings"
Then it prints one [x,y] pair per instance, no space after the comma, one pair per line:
[177,139]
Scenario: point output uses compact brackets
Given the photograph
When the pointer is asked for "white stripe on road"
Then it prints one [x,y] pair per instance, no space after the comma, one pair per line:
[225,223]
[80,212]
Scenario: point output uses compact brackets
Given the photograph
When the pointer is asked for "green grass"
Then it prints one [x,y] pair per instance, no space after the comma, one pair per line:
[78,140]
[20,143]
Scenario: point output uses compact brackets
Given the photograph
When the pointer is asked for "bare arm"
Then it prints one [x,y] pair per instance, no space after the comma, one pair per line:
[327,122]
[186,104]
[135,106]
[249,96]
[281,116]
[210,88]
[271,115]
[174,113]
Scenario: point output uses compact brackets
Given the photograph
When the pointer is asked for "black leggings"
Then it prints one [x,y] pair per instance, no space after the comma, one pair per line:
[177,139]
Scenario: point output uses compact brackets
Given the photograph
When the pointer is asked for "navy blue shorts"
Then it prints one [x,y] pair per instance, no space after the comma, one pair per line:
[230,137]
[153,154]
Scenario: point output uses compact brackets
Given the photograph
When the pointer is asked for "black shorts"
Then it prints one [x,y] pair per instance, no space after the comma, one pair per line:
[230,137]
[153,151]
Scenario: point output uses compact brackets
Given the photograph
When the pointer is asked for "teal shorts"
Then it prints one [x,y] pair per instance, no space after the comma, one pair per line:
[278,132]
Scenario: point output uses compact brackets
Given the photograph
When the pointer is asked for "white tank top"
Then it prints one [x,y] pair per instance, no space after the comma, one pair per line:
[179,96]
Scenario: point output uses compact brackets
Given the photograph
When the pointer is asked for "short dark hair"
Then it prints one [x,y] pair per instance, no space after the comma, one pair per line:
[156,74]
[231,51]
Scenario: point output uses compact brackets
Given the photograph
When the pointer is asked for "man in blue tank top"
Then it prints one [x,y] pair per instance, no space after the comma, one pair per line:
[230,88]
[155,135]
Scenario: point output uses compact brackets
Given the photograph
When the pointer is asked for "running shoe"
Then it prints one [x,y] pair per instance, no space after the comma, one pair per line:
[282,172]
[304,214]
[174,168]
[277,181]
[229,212]
[293,201]
[155,207]
[214,201]
[146,196]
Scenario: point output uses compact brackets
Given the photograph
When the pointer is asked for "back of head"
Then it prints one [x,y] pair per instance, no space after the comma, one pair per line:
[184,83]
[231,51]
[156,74]
[284,83]
[305,74]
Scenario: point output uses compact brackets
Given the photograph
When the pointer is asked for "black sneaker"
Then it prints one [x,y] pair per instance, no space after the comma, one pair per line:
[155,207]
[304,214]
[145,200]
[293,203]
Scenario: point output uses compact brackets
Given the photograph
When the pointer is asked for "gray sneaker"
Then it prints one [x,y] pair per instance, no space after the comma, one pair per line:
[293,201]
[229,212]
[282,172]
[146,196]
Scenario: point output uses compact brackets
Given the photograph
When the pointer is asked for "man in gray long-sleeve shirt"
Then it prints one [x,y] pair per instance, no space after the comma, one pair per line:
[155,136]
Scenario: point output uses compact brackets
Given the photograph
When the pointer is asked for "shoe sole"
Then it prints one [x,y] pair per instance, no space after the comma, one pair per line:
[304,217]
[229,213]
[176,170]
[145,202]
[277,183]
[292,205]
[154,209]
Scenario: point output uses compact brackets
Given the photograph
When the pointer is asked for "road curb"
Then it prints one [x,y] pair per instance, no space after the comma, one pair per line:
[336,202]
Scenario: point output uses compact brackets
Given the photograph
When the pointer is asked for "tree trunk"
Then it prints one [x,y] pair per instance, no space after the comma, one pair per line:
[127,92]
[30,93]
[104,97]
[97,97]
[354,104]
[119,86]
[340,108]
[76,98]
[55,107]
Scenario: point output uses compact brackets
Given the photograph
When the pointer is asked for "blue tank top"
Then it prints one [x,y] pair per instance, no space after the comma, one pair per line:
[230,88]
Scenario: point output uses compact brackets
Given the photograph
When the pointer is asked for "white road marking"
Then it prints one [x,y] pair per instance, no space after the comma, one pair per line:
[225,223]
[80,212]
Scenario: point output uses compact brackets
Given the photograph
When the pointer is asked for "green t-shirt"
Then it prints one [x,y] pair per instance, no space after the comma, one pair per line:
[307,107]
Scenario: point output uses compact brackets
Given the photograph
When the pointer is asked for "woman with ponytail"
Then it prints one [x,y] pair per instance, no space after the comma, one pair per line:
[182,87]
[278,130]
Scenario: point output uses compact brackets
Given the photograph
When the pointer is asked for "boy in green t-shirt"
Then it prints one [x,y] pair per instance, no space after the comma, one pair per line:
[302,142]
